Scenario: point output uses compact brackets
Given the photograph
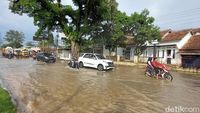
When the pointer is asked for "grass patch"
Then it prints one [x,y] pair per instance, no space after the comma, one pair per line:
[6,105]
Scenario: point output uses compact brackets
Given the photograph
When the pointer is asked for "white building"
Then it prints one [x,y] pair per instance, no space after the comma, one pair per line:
[167,50]
[64,52]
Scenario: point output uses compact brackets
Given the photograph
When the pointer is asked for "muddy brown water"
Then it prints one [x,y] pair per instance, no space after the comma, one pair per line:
[37,87]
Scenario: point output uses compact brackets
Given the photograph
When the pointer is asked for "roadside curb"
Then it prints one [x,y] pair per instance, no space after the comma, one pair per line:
[186,70]
[129,64]
[173,68]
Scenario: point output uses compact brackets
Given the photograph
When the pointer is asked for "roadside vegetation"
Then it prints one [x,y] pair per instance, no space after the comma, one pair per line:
[6,105]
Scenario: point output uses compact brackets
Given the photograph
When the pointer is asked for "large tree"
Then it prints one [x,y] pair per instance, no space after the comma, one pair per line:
[141,27]
[14,38]
[76,22]
[110,32]
[114,30]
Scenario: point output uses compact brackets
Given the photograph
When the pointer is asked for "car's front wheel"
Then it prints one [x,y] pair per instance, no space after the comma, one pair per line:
[100,67]
[81,64]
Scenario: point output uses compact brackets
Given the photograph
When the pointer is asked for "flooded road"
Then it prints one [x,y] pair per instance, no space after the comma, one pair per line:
[55,88]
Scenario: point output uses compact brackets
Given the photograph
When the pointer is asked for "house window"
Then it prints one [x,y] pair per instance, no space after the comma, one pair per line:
[163,53]
[173,55]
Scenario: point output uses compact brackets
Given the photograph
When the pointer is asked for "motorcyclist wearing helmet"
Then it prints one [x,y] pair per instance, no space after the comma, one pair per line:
[150,67]
[157,66]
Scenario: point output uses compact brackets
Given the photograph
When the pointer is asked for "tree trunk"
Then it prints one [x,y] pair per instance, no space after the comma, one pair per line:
[109,53]
[75,49]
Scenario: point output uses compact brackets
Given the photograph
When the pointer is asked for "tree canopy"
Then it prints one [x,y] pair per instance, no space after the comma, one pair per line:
[141,27]
[52,14]
[89,20]
[14,38]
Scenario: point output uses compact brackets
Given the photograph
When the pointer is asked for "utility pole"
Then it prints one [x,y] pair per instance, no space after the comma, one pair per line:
[154,48]
[0,39]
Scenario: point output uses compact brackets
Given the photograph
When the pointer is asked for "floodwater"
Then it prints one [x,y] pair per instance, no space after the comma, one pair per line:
[37,87]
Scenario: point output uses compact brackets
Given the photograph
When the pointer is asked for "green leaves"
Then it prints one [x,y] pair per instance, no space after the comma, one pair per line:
[14,38]
[6,105]
[90,20]
[142,28]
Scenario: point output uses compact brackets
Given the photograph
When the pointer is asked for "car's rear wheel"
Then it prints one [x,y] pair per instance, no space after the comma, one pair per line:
[100,67]
[81,64]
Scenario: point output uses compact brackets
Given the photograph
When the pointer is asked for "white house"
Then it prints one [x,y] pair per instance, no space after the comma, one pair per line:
[64,53]
[168,48]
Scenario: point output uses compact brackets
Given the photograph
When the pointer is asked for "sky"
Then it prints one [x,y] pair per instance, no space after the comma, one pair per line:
[168,14]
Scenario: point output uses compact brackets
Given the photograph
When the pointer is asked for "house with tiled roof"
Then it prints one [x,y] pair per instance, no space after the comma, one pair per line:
[165,33]
[196,31]
[190,52]
[173,48]
[167,50]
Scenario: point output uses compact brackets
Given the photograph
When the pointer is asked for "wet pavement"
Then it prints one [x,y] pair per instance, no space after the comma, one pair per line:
[37,87]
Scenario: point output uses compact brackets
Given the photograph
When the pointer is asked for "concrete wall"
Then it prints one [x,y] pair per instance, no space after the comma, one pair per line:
[120,51]
[64,54]
[132,54]
[159,54]
[174,51]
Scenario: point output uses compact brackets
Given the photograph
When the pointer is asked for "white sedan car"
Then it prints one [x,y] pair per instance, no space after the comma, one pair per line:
[95,61]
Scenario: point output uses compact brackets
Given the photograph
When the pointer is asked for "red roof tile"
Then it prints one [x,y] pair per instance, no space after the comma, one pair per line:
[175,36]
[196,30]
[162,33]
[192,44]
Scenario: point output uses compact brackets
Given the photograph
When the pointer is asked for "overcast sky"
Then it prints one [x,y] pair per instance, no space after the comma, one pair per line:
[173,14]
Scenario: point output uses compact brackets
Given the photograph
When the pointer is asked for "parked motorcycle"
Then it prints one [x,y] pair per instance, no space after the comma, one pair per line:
[161,71]
[73,63]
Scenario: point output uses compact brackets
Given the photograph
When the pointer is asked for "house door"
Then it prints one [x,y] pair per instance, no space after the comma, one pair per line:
[169,57]
[127,54]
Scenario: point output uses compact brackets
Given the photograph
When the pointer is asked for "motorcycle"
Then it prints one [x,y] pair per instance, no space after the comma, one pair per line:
[73,63]
[161,70]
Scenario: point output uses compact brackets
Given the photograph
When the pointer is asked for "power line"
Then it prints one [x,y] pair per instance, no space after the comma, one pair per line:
[182,24]
[180,16]
[177,20]
[180,12]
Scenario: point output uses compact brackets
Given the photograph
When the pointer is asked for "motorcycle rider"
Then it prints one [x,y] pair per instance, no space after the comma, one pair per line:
[158,67]
[155,68]
[150,67]
[150,59]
